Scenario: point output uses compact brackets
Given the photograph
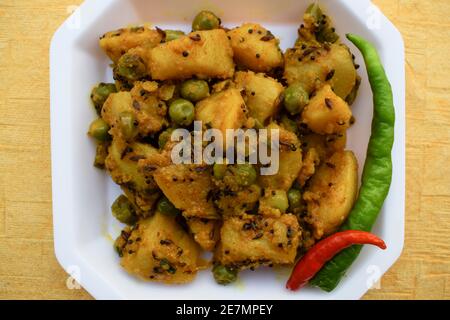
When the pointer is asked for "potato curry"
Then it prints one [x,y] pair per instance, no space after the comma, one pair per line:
[229,79]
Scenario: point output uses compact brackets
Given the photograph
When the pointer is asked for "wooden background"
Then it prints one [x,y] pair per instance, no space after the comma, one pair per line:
[28,268]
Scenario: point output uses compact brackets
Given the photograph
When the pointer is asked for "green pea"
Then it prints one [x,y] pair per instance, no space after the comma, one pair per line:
[219,170]
[182,112]
[224,275]
[119,244]
[295,198]
[128,125]
[100,93]
[327,34]
[205,20]
[195,90]
[279,200]
[99,130]
[295,98]
[123,210]
[245,174]
[173,35]
[165,137]
[131,67]
[101,153]
[166,207]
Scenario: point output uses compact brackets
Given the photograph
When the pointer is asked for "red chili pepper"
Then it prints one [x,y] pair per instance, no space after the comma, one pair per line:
[325,250]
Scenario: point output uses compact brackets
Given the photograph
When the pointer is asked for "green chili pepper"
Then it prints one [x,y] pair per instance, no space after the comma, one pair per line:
[377,173]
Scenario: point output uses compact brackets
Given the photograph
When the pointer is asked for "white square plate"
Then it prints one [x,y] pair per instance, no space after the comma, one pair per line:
[82,194]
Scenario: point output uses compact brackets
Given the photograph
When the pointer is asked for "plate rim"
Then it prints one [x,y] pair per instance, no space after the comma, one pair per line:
[65,250]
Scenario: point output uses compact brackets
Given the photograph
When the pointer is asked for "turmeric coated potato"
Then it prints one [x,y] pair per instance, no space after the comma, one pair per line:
[312,65]
[158,249]
[206,232]
[262,94]
[311,161]
[123,165]
[223,110]
[327,113]
[273,203]
[255,48]
[122,162]
[233,200]
[116,43]
[324,145]
[332,193]
[252,241]
[145,110]
[131,165]
[188,188]
[290,161]
[202,54]
[344,77]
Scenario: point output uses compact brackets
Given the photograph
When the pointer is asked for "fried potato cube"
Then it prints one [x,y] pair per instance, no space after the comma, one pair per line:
[290,161]
[116,104]
[236,200]
[116,43]
[252,241]
[223,110]
[188,188]
[332,192]
[206,232]
[142,102]
[324,145]
[122,163]
[255,48]
[345,76]
[263,94]
[311,161]
[143,204]
[273,203]
[327,113]
[158,249]
[150,110]
[203,54]
[333,65]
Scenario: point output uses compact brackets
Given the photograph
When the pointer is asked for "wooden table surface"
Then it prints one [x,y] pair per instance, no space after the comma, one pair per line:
[28,268]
